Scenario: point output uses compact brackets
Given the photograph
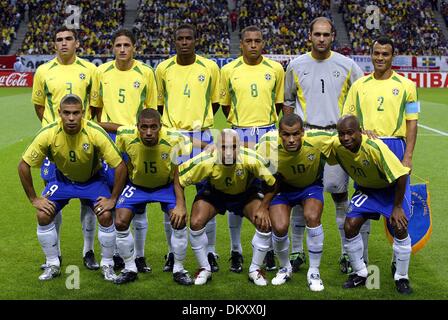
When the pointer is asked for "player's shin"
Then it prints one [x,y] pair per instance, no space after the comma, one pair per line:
[235,223]
[365,232]
[125,244]
[179,243]
[168,231]
[261,242]
[402,251]
[341,209]
[48,240]
[88,223]
[140,226]
[315,244]
[198,241]
[281,248]
[355,248]
[210,230]
[297,229]
[107,237]
[58,222]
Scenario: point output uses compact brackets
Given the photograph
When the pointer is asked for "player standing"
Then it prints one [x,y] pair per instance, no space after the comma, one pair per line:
[188,86]
[315,88]
[251,98]
[123,88]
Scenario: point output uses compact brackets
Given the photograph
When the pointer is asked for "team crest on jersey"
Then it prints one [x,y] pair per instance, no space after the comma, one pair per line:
[336,74]
[351,108]
[239,172]
[223,93]
[201,78]
[395,91]
[311,157]
[82,76]
[136,84]
[365,163]
[85,146]
[39,93]
[164,156]
[267,76]
[34,155]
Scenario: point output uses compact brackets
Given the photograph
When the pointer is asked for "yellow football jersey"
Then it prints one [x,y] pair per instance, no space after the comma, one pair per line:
[373,166]
[383,105]
[52,81]
[252,92]
[232,179]
[76,156]
[123,94]
[303,167]
[152,167]
[187,93]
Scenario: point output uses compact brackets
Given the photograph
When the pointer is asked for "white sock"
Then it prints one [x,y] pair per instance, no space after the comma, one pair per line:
[58,222]
[402,251]
[116,253]
[179,243]
[210,230]
[107,237]
[88,223]
[261,243]
[315,244]
[354,249]
[281,249]
[297,229]
[341,211]
[125,244]
[168,230]
[140,227]
[198,241]
[235,223]
[365,232]
[48,239]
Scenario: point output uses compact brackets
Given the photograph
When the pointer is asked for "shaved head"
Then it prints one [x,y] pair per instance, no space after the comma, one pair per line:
[349,121]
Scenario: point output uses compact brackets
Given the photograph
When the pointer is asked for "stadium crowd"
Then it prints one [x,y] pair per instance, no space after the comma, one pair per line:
[411,24]
[98,20]
[156,21]
[10,18]
[284,23]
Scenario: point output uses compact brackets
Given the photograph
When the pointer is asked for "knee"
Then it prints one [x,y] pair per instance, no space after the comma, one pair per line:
[312,219]
[43,219]
[196,223]
[280,229]
[105,219]
[400,233]
[350,229]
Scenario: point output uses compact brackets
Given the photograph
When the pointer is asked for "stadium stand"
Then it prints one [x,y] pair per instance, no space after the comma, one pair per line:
[157,20]
[284,23]
[411,23]
[98,20]
[10,18]
[444,11]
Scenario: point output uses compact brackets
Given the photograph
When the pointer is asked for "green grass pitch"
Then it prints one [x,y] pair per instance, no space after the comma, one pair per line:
[21,254]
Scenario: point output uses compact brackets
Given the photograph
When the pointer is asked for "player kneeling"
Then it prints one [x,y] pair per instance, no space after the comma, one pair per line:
[76,146]
[151,149]
[229,173]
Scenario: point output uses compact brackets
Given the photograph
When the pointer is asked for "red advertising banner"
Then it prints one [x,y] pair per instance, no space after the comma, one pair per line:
[7,62]
[427,79]
[16,79]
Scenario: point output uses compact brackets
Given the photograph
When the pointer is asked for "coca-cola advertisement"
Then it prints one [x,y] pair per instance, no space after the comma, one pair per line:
[16,79]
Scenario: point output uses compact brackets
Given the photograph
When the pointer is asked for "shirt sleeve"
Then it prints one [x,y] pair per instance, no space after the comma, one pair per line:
[160,86]
[350,100]
[215,82]
[36,152]
[224,98]
[412,104]
[290,87]
[280,86]
[96,98]
[261,171]
[151,90]
[356,73]
[389,164]
[195,170]
[38,96]
[182,144]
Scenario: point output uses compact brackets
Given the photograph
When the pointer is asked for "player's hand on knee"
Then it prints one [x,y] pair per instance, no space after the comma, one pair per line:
[103,204]
[398,219]
[178,217]
[262,221]
[44,205]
